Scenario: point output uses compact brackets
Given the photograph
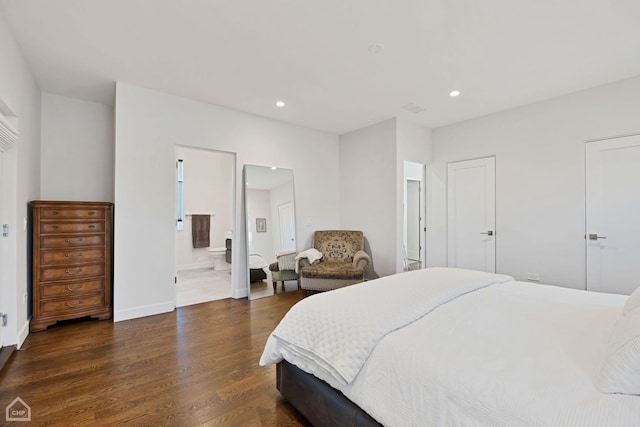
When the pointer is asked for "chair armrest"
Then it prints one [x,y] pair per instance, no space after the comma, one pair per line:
[361,259]
[274,266]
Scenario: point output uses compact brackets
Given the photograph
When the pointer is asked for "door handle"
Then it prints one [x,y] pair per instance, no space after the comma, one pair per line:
[488,233]
[595,237]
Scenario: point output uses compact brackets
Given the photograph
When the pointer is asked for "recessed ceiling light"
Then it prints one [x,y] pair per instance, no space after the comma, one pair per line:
[376,48]
[280,104]
[273,168]
[454,93]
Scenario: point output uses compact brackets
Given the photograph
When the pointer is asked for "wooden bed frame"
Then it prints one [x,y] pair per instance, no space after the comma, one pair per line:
[321,404]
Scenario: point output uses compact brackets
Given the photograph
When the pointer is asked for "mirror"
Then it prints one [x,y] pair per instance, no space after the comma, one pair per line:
[271,226]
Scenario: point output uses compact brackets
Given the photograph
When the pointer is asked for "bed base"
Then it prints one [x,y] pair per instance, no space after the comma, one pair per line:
[321,404]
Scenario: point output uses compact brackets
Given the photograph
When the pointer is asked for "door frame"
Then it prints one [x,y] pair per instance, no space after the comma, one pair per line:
[413,171]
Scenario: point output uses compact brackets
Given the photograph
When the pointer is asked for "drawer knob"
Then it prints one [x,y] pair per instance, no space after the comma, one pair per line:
[73,306]
[77,255]
[92,226]
[79,239]
[55,227]
[54,213]
[77,288]
[92,212]
[79,270]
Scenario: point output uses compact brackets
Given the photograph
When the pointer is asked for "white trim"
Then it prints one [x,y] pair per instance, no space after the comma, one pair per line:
[240,293]
[143,311]
[23,333]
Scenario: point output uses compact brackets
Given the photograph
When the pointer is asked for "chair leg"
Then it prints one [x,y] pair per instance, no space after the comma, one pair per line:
[274,287]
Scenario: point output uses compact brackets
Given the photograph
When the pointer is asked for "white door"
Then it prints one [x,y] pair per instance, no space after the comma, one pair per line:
[287,227]
[413,220]
[613,212]
[471,233]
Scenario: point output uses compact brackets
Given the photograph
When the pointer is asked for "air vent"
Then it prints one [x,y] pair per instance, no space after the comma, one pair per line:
[414,108]
[8,135]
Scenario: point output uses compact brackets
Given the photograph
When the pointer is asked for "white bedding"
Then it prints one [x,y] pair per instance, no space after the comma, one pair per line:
[335,332]
[509,354]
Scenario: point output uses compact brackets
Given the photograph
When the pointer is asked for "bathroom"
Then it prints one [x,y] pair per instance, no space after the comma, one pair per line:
[204,186]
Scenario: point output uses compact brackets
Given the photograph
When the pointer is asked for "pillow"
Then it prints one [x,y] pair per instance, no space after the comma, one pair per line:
[620,371]
[632,302]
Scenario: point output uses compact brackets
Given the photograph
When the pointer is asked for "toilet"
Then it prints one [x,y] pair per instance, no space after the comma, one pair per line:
[218,256]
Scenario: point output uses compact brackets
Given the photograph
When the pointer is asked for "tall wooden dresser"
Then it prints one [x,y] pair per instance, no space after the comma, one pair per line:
[71,261]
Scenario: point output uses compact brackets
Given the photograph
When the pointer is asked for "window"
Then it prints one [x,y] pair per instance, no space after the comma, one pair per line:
[179,222]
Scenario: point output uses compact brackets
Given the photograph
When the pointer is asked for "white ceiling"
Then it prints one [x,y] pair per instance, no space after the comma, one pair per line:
[265,177]
[314,55]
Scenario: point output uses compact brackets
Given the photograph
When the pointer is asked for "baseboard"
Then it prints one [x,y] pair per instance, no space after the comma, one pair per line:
[240,293]
[143,311]
[195,266]
[5,354]
[23,333]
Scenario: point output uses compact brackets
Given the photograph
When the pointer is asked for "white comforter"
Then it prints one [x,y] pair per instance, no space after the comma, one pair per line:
[335,332]
[509,354]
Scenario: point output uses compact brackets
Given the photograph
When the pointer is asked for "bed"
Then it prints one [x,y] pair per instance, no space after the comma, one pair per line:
[451,347]
[258,269]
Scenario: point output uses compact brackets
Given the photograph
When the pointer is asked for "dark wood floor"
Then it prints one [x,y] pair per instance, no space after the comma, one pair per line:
[195,366]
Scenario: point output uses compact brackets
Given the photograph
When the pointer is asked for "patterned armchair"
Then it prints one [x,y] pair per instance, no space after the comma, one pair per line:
[342,264]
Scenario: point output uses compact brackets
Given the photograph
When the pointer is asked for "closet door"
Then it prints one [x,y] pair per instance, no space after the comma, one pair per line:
[613,207]
[471,201]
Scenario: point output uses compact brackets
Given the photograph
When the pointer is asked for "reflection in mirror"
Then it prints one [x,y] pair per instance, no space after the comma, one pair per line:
[271,227]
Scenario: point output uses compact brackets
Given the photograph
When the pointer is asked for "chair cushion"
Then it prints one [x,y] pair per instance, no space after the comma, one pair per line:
[338,245]
[332,270]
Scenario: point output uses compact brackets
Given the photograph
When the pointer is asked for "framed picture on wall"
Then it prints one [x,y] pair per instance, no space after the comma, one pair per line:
[261,225]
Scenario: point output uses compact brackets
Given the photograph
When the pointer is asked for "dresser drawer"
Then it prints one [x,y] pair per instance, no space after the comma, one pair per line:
[70,256]
[71,304]
[71,227]
[62,273]
[71,241]
[70,213]
[71,289]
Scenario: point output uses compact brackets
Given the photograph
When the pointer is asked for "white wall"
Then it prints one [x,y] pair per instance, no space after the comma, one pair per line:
[149,125]
[540,177]
[77,150]
[208,189]
[20,180]
[371,186]
[368,191]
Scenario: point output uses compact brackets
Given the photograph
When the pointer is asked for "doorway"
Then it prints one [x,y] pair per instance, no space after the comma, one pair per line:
[414,225]
[414,204]
[204,195]
[471,233]
[612,232]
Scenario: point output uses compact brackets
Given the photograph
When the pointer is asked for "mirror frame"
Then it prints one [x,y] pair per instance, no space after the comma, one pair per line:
[267,225]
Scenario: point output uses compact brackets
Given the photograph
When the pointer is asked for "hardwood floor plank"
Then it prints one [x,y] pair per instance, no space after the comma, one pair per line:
[195,366]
